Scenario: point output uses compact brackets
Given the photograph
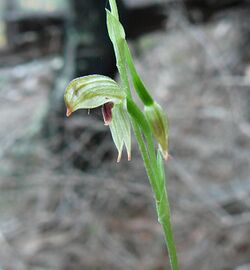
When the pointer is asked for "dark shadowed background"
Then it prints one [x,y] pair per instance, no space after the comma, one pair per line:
[65,204]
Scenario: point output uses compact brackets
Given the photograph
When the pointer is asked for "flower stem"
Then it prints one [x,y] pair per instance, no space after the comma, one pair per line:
[157,180]
[154,166]
[169,236]
[156,174]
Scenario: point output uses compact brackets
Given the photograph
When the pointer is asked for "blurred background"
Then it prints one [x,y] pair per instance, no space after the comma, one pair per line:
[64,202]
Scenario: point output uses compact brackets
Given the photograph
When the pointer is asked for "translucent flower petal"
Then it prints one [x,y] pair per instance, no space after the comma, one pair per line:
[121,130]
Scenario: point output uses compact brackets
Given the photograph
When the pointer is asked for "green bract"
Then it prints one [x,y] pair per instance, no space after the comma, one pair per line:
[90,92]
[117,37]
[159,126]
[115,29]
[95,90]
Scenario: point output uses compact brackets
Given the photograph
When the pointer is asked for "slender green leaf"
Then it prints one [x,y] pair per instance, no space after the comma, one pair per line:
[139,86]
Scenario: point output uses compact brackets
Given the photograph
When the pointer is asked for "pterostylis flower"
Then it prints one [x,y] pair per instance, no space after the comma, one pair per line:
[119,108]
[92,91]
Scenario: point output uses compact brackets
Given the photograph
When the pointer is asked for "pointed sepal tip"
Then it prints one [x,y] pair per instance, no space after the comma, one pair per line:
[68,112]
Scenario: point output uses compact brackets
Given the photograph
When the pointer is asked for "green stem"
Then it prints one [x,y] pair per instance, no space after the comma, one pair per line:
[144,153]
[155,171]
[143,125]
[156,175]
[168,231]
[163,208]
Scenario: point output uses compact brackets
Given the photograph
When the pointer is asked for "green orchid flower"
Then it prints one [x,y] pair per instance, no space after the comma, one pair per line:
[92,91]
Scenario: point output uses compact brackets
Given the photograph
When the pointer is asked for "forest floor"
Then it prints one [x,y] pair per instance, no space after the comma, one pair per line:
[53,216]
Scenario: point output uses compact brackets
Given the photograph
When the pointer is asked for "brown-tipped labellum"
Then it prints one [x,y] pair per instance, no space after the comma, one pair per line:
[107,113]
